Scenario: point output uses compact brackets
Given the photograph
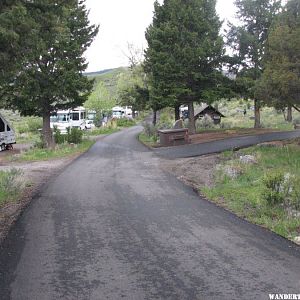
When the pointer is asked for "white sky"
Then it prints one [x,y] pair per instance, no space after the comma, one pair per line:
[123,22]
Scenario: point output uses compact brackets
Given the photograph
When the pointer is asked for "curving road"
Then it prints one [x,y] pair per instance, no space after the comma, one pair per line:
[114,226]
[223,145]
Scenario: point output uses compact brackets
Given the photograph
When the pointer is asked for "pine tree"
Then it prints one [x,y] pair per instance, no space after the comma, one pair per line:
[280,84]
[184,54]
[51,75]
[248,42]
[15,29]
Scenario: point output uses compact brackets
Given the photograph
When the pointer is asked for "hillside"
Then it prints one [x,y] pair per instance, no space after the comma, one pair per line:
[109,77]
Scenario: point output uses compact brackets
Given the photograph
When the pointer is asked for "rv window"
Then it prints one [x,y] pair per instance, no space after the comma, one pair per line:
[2,125]
[82,115]
[75,116]
[8,128]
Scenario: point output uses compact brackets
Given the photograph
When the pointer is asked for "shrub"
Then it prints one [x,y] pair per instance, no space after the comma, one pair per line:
[58,137]
[150,130]
[9,181]
[295,193]
[22,129]
[74,136]
[226,124]
[125,122]
[205,122]
[274,190]
[34,124]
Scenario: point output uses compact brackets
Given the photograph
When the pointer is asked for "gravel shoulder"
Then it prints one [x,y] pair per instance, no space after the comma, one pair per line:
[34,176]
[196,172]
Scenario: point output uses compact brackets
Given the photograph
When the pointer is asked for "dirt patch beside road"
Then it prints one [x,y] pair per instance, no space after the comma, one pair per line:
[196,172]
[35,174]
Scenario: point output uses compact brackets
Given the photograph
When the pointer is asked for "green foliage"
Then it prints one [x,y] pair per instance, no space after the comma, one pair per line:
[52,64]
[100,99]
[184,54]
[274,188]
[101,130]
[125,122]
[150,130]
[34,124]
[132,89]
[109,78]
[14,39]
[280,84]
[282,164]
[248,42]
[10,184]
[63,150]
[58,137]
[74,135]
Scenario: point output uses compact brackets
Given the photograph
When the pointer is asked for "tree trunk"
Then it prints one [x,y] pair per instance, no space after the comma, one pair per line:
[284,116]
[177,112]
[154,117]
[289,117]
[47,135]
[192,127]
[257,114]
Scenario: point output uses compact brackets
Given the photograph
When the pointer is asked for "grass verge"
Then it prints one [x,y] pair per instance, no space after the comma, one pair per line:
[99,131]
[63,150]
[149,141]
[10,185]
[244,192]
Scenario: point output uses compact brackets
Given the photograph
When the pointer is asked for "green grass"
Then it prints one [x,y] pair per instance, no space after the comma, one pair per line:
[61,151]
[10,185]
[270,117]
[147,140]
[110,79]
[244,195]
[100,131]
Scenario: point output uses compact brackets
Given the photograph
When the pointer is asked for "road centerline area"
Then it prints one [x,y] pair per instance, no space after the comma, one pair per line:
[113,225]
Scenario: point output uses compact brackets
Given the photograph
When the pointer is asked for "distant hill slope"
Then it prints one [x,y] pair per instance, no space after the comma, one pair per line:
[98,72]
[109,77]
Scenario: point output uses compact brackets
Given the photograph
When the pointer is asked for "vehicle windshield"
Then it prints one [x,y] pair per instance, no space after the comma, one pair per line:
[61,117]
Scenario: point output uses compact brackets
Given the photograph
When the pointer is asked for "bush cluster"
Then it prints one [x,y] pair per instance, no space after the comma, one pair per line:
[73,136]
[282,189]
[125,122]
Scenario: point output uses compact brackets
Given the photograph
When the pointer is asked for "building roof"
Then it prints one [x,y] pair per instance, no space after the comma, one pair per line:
[207,109]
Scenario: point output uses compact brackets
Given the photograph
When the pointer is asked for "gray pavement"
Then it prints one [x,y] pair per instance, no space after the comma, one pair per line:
[223,145]
[114,226]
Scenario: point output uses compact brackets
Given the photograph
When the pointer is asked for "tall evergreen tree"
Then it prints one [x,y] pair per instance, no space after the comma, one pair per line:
[184,54]
[51,76]
[280,84]
[248,42]
[15,27]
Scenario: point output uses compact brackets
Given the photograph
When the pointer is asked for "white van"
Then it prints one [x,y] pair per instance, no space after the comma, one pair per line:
[7,135]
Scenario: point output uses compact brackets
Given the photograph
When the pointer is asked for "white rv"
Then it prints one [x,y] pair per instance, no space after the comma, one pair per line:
[63,119]
[119,112]
[7,135]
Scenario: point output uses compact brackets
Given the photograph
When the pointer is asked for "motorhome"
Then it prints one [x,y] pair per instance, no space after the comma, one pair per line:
[7,135]
[71,118]
[119,112]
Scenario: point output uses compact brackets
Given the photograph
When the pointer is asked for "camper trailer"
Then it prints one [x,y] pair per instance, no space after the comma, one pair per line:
[63,119]
[7,135]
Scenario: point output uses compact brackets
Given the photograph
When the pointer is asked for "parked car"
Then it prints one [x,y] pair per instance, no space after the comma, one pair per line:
[88,124]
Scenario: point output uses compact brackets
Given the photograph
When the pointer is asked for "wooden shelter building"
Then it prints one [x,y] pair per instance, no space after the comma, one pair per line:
[210,111]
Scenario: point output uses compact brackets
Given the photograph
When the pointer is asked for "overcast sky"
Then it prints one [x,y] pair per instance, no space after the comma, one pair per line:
[123,22]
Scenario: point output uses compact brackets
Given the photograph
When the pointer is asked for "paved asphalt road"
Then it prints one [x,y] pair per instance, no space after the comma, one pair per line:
[114,226]
[222,145]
